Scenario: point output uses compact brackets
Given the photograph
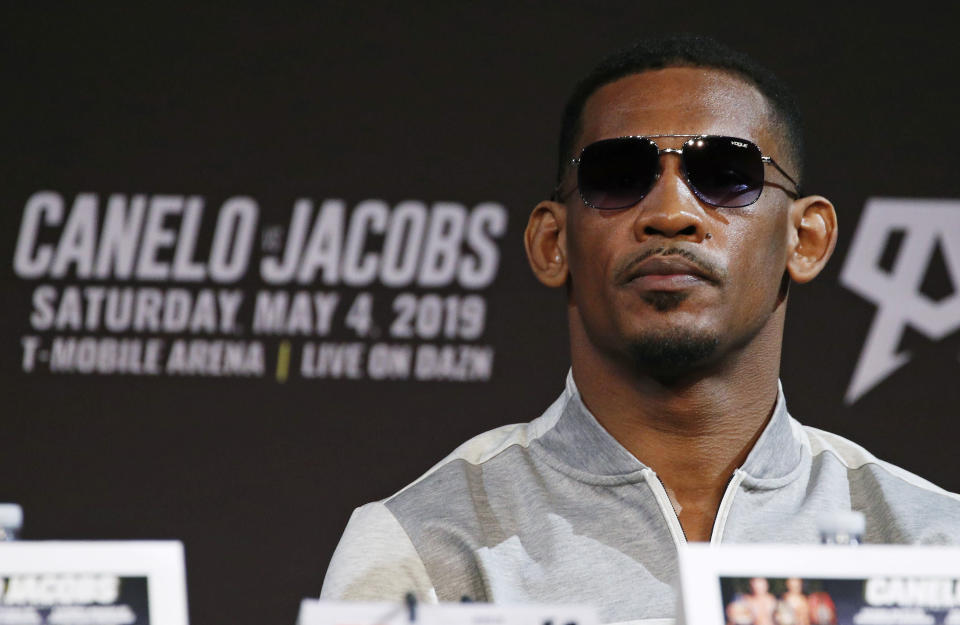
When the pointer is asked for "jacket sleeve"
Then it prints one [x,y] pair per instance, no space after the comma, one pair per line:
[375,561]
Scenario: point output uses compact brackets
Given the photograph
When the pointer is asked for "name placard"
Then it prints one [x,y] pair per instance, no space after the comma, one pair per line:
[92,583]
[820,585]
[314,612]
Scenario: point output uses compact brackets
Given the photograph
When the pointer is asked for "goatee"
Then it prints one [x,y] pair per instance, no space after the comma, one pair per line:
[669,355]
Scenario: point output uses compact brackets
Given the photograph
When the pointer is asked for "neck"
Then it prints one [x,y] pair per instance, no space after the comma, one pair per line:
[693,431]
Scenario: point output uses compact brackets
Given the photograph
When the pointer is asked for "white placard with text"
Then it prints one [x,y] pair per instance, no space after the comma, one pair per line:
[313,612]
[820,585]
[92,583]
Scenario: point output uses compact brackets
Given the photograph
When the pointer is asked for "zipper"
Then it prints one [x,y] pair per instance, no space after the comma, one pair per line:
[666,508]
[670,514]
[726,502]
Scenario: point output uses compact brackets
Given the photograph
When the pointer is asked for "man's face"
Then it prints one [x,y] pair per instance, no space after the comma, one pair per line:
[673,273]
[759,585]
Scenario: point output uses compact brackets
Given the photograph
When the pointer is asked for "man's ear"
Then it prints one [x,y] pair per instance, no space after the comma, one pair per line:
[813,237]
[546,243]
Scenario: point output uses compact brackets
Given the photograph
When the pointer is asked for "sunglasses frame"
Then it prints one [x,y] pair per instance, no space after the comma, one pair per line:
[766,160]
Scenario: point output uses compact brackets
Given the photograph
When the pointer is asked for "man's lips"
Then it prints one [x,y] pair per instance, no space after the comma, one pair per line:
[667,273]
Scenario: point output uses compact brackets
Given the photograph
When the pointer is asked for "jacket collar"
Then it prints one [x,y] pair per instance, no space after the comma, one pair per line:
[585,449]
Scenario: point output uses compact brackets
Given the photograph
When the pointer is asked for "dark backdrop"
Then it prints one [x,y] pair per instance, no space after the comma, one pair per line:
[434,102]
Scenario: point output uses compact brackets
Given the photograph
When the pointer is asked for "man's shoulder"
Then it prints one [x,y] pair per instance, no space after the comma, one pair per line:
[854,457]
[383,548]
[440,519]
[488,446]
[911,508]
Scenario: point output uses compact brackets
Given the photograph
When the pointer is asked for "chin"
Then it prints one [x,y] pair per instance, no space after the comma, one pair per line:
[670,354]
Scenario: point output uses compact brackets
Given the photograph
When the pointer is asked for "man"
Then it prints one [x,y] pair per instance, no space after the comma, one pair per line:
[761,601]
[676,229]
[797,601]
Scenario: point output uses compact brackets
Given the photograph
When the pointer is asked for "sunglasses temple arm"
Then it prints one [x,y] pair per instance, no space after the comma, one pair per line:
[767,159]
[555,194]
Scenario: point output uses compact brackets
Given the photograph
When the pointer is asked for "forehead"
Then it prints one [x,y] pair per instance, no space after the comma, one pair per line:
[677,100]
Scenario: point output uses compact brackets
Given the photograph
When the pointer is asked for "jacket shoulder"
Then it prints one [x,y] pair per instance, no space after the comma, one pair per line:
[900,506]
[486,446]
[375,561]
[854,456]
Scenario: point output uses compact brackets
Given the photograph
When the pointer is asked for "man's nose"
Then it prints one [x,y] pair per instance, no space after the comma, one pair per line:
[670,209]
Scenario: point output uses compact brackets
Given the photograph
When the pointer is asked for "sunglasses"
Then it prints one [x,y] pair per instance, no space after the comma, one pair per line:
[725,172]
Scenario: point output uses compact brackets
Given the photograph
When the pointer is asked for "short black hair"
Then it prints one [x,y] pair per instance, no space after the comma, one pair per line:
[684,50]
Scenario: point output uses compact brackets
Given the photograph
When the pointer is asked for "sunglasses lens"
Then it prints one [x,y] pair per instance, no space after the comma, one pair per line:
[724,171]
[617,173]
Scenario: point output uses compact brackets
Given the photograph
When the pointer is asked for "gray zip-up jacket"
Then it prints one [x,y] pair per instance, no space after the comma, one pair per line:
[558,511]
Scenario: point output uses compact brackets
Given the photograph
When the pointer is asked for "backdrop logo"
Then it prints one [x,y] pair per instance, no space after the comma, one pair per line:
[897,292]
